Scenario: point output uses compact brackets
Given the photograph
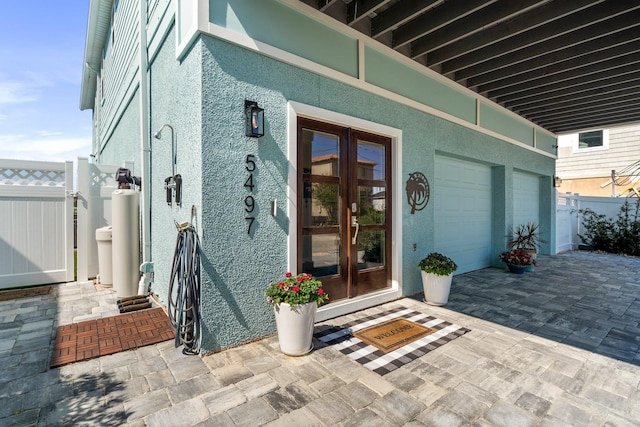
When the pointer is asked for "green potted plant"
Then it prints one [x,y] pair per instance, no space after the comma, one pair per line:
[526,237]
[437,274]
[517,260]
[295,300]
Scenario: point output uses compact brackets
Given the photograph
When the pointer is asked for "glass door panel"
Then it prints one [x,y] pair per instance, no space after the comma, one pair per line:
[343,208]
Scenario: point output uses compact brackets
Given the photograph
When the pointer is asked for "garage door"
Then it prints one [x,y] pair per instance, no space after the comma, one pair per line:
[462,203]
[526,198]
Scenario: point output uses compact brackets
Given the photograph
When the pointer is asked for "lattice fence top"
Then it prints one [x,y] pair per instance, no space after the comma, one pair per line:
[102,179]
[32,177]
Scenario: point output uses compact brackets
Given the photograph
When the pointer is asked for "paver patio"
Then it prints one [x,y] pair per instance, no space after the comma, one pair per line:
[555,347]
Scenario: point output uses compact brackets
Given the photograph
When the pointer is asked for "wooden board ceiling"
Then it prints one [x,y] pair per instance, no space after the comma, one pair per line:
[566,65]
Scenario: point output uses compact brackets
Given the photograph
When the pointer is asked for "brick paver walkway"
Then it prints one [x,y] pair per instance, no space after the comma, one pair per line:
[522,364]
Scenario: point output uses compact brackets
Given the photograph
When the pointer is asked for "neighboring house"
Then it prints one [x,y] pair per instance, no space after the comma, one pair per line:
[326,90]
[586,161]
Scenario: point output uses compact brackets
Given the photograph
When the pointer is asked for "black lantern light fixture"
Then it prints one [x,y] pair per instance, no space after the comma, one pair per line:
[254,119]
[557,181]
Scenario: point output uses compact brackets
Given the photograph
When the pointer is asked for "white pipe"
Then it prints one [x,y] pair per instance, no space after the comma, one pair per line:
[145,147]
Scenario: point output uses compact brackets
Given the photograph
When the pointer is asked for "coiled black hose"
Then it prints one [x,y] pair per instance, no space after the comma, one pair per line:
[184,302]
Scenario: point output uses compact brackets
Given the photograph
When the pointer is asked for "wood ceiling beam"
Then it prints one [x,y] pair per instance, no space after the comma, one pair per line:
[501,29]
[573,95]
[523,47]
[468,27]
[434,19]
[399,14]
[594,122]
[359,9]
[610,109]
[559,109]
[579,76]
[627,75]
[629,37]
[582,65]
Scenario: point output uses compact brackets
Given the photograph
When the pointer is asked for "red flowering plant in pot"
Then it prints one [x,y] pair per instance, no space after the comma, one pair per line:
[517,260]
[296,290]
[295,300]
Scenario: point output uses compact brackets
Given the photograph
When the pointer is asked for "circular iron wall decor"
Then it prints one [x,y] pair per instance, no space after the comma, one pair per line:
[417,191]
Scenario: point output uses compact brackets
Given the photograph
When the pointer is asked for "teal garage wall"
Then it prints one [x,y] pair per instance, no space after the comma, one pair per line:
[239,266]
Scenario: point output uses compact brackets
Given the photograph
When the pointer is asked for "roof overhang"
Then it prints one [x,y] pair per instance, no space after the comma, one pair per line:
[97,31]
[563,65]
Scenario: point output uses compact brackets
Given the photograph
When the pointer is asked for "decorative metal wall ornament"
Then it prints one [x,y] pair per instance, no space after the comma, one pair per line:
[417,191]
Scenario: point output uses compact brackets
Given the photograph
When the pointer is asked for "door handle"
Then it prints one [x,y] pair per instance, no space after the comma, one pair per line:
[354,223]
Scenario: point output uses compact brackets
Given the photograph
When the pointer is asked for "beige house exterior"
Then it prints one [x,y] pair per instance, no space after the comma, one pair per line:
[586,161]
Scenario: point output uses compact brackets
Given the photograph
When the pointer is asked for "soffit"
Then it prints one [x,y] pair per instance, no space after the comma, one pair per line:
[563,65]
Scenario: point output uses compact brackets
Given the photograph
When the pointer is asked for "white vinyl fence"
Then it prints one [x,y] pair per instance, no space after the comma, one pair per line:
[36,227]
[37,216]
[568,224]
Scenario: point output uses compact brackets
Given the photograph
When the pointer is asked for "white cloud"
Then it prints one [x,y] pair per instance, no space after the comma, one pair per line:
[47,133]
[54,149]
[14,92]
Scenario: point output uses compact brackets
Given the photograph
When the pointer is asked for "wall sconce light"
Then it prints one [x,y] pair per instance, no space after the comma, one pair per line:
[254,119]
[557,181]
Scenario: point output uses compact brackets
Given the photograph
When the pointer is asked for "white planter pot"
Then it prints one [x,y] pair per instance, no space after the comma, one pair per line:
[436,288]
[295,327]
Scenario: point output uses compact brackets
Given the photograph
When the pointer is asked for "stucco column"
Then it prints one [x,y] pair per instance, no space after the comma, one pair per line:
[502,202]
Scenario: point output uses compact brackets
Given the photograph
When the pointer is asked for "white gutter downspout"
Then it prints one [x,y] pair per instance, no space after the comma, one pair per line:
[145,204]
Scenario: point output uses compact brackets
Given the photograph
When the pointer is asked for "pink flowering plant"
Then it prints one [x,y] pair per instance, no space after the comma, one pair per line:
[296,290]
[517,257]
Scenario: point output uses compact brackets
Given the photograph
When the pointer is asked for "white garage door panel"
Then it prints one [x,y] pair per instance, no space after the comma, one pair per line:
[526,199]
[462,198]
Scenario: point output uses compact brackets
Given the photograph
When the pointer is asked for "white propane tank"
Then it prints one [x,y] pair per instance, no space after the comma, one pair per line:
[125,242]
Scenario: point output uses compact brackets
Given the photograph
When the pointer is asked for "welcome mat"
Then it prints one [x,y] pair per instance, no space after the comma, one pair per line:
[392,334]
[354,339]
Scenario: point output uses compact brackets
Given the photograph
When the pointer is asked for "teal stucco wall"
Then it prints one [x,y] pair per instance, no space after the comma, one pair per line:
[238,266]
[202,97]
[175,100]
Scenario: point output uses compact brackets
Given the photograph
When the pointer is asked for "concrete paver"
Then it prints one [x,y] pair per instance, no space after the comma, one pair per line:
[555,347]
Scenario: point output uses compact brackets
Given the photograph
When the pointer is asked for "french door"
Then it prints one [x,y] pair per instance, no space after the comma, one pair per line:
[344,208]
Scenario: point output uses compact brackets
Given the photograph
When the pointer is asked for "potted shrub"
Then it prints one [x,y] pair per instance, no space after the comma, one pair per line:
[517,260]
[437,274]
[526,237]
[295,300]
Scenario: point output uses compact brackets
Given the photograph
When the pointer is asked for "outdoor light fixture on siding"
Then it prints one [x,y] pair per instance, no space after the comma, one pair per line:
[254,119]
[557,181]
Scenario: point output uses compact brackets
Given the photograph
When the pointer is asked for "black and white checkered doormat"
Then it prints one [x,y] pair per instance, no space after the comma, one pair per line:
[341,337]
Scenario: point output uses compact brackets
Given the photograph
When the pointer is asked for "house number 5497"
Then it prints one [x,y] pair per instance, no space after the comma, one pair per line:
[249,201]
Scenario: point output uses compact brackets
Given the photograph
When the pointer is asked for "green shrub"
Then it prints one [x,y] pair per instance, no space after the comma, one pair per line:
[621,235]
[436,263]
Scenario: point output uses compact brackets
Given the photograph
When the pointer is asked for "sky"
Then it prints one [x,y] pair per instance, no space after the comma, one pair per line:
[41,61]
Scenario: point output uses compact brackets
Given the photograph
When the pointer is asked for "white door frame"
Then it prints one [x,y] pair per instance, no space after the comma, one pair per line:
[341,307]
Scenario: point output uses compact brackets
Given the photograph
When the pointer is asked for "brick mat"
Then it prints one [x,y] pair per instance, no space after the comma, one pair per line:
[25,293]
[344,338]
[100,337]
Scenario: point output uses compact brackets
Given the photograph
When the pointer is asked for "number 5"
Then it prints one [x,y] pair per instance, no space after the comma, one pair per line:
[251,164]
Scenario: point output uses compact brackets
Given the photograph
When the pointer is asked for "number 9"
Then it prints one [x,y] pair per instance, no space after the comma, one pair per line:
[250,204]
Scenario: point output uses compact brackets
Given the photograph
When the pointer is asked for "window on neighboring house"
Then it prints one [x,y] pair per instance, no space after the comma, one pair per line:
[591,139]
[594,140]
